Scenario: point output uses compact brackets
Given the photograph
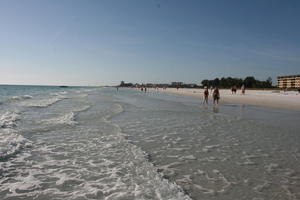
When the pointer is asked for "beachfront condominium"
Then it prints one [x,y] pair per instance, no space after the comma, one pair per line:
[292,81]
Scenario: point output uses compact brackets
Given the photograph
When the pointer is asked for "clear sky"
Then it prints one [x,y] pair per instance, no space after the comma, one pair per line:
[99,42]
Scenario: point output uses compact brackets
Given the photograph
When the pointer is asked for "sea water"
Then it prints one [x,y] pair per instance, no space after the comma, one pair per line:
[100,143]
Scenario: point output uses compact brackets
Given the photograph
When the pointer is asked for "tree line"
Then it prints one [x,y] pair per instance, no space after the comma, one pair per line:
[248,82]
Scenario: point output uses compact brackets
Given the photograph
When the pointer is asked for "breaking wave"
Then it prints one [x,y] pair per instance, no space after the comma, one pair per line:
[59,93]
[9,119]
[146,173]
[21,97]
[42,103]
[11,143]
[15,99]
[68,118]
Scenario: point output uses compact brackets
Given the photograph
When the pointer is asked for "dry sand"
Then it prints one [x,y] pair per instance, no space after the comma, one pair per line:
[277,99]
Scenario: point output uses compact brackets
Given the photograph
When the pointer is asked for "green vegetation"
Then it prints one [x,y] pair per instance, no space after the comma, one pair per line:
[248,82]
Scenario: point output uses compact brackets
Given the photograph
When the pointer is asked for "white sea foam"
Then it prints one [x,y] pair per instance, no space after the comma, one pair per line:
[11,143]
[21,97]
[59,93]
[162,187]
[9,119]
[68,119]
[189,157]
[115,171]
[259,188]
[94,160]
[42,103]
[216,176]
[271,167]
[81,109]
[15,99]
[144,172]
[81,96]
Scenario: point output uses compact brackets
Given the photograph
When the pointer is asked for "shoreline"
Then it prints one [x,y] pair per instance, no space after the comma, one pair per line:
[268,98]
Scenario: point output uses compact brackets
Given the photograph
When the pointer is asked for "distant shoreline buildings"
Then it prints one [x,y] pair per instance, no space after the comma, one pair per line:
[283,82]
[229,82]
[160,85]
[291,81]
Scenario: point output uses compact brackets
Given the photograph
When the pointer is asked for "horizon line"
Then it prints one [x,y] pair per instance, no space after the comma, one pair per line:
[4,84]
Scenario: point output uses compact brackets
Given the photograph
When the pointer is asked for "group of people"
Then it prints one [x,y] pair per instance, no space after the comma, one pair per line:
[234,89]
[215,95]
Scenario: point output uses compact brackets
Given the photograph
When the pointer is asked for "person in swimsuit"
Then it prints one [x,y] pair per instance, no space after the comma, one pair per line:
[233,90]
[206,93]
[216,96]
[243,89]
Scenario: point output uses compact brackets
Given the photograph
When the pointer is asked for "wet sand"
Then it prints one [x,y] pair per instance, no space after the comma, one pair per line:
[269,98]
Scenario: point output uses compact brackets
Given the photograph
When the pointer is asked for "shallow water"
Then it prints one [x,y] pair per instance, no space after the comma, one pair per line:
[96,143]
[231,152]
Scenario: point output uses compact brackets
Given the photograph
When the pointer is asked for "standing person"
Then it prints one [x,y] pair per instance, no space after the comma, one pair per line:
[233,90]
[216,96]
[145,89]
[205,95]
[243,89]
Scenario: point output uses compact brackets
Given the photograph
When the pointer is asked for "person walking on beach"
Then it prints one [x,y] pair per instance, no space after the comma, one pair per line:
[205,95]
[233,90]
[216,96]
[243,89]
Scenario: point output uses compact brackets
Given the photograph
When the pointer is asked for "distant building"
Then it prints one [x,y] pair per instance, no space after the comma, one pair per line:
[292,81]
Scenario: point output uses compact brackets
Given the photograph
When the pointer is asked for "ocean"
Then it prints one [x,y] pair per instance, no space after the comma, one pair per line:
[100,143]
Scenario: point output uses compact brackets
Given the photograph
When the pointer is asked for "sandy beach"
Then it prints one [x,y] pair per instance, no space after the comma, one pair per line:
[276,99]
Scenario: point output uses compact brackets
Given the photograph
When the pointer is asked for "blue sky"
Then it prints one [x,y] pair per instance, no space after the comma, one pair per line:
[98,42]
